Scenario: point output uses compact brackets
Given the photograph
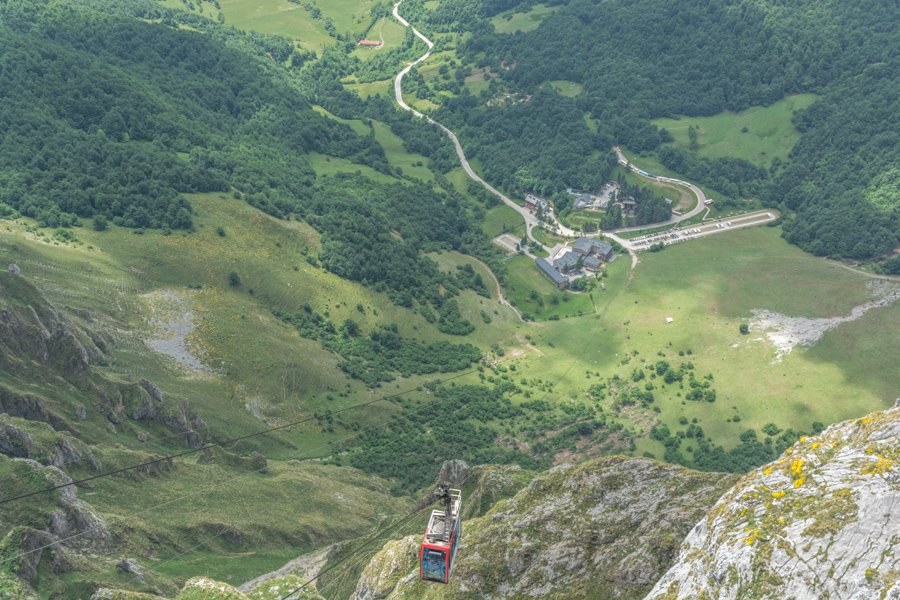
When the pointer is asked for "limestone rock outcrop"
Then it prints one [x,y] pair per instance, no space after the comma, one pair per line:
[821,522]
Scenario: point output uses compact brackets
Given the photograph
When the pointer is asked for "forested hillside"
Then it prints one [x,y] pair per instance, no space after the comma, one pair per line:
[645,59]
[114,117]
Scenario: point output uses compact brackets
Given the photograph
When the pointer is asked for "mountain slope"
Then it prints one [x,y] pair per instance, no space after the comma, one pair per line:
[605,528]
[822,522]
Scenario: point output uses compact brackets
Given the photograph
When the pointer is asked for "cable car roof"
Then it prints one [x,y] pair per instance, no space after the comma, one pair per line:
[439,525]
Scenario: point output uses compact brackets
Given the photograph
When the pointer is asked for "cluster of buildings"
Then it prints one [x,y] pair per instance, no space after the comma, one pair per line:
[586,254]
[601,200]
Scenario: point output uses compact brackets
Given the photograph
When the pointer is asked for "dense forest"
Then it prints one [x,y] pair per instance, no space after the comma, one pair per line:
[650,58]
[117,117]
[113,119]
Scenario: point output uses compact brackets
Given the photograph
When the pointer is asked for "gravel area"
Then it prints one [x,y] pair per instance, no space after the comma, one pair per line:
[785,333]
[173,321]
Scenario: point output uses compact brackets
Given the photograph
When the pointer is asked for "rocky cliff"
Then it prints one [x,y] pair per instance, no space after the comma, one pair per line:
[47,373]
[821,522]
[608,528]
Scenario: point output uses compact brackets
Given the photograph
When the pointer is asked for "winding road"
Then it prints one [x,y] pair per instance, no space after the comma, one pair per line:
[531,220]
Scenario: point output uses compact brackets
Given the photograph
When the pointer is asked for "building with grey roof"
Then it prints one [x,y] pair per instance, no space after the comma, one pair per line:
[567,262]
[560,280]
[592,263]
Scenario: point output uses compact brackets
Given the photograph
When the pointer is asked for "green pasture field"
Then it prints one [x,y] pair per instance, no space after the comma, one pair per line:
[373,88]
[503,219]
[414,165]
[567,88]
[386,29]
[709,287]
[349,16]
[325,165]
[355,124]
[511,22]
[757,134]
[279,17]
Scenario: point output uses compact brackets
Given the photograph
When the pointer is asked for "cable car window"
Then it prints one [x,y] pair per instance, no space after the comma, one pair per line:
[434,565]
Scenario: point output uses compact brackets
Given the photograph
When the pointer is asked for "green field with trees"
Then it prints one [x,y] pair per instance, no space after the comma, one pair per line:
[223,227]
[758,134]
[622,55]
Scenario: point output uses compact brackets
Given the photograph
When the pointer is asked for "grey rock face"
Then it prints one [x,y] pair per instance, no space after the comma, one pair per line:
[14,442]
[453,471]
[607,528]
[823,522]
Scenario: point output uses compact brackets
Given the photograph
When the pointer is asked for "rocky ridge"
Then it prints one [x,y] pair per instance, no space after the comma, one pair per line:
[607,528]
[823,522]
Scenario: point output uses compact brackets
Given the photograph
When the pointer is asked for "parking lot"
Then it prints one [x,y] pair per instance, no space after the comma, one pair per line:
[693,232]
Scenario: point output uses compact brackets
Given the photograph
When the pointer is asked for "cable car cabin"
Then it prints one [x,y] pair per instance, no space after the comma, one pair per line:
[441,538]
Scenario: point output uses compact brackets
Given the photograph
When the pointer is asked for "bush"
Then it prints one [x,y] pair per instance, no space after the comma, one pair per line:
[771,429]
[234,279]
[744,329]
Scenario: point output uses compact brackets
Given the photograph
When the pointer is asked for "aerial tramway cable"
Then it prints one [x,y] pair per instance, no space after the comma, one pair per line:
[223,443]
[374,537]
[231,479]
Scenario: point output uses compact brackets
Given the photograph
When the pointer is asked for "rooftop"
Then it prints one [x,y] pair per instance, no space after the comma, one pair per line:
[550,271]
[567,261]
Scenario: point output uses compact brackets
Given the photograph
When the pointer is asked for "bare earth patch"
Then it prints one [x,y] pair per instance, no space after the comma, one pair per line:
[785,333]
[172,321]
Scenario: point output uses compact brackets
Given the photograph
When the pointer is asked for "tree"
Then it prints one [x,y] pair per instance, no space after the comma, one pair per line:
[692,138]
[100,223]
[744,328]
[234,279]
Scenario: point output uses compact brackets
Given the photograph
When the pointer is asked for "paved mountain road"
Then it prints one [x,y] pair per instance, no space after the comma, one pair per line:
[531,221]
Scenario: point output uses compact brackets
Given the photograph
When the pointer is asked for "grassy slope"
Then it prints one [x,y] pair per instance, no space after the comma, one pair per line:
[567,88]
[769,134]
[511,21]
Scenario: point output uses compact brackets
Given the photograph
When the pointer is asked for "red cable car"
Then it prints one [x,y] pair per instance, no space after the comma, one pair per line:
[441,537]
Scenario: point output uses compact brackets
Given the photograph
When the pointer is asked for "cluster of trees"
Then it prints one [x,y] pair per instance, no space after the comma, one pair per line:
[537,142]
[382,354]
[734,177]
[652,58]
[748,454]
[377,234]
[452,425]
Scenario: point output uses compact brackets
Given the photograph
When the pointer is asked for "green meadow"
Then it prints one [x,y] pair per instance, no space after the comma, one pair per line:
[567,88]
[757,134]
[708,288]
[511,21]
[503,219]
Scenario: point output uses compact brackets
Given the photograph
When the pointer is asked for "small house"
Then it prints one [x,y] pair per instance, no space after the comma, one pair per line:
[604,250]
[535,203]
